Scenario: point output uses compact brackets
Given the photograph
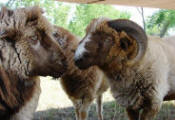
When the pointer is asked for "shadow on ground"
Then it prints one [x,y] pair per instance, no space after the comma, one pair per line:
[111,112]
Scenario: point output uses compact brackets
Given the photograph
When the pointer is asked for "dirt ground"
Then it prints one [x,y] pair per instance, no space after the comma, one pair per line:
[55,105]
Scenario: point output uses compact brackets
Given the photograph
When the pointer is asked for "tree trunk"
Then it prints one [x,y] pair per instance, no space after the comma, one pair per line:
[143,19]
[164,28]
[141,11]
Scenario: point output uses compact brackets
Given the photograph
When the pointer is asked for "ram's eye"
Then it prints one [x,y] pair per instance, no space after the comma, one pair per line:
[34,39]
[56,35]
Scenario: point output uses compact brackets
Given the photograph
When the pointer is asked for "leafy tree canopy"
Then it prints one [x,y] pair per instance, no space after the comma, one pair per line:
[74,17]
[85,13]
[160,22]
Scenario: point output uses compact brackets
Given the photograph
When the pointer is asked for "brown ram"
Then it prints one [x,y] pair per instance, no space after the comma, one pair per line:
[27,50]
[140,69]
[82,86]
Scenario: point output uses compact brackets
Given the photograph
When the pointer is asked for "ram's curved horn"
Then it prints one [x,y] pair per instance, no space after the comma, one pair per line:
[136,32]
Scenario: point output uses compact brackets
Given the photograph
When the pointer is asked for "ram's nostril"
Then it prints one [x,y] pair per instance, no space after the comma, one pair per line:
[78,61]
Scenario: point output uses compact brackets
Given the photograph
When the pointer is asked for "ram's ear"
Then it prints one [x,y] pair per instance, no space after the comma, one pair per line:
[133,39]
[5,14]
[33,13]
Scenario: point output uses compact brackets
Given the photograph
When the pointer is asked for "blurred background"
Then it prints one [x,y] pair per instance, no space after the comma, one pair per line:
[75,17]
[54,103]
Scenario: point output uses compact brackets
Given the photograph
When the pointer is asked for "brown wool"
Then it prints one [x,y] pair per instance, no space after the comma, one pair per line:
[81,86]
[22,60]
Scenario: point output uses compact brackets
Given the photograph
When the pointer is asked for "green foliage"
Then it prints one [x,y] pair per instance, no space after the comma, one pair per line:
[74,17]
[55,11]
[160,22]
[1,4]
[24,3]
[85,13]
[61,15]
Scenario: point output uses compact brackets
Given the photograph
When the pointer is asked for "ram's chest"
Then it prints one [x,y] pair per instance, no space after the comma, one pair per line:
[133,89]
[80,83]
[128,96]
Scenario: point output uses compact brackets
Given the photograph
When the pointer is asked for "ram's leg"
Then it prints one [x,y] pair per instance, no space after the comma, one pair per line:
[84,111]
[151,110]
[81,108]
[27,111]
[84,108]
[133,114]
[77,113]
[99,107]
[77,105]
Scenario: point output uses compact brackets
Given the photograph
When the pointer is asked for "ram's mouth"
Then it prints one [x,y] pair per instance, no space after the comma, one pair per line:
[81,65]
[57,72]
[56,75]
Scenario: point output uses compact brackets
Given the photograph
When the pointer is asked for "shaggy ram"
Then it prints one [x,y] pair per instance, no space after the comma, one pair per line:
[82,86]
[27,50]
[140,69]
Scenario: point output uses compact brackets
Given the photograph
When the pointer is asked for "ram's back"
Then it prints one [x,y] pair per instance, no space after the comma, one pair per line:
[160,57]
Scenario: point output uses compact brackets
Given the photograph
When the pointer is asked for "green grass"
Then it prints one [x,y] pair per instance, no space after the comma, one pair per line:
[111,112]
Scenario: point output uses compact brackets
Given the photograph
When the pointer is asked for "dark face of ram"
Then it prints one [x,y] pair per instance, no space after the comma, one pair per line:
[29,36]
[46,57]
[113,43]
[93,49]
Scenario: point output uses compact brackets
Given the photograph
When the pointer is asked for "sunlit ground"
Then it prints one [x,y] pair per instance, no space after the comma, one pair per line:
[55,105]
[53,95]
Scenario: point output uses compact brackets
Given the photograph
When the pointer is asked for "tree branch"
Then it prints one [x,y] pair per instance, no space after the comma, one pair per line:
[141,11]
[9,3]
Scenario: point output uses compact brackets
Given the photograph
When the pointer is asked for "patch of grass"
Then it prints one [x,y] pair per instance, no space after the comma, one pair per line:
[110,112]
[55,105]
